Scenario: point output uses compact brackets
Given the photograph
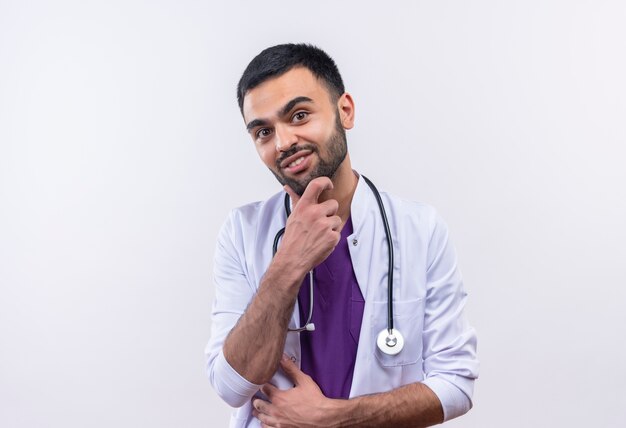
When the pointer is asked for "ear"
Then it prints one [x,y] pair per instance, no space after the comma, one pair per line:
[345,106]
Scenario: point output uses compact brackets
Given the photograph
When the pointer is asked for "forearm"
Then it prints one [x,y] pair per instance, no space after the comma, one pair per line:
[413,405]
[254,346]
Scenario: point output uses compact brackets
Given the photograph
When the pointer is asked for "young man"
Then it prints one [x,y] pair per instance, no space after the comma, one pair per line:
[345,370]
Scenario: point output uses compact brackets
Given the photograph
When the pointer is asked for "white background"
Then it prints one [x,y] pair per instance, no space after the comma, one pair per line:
[122,151]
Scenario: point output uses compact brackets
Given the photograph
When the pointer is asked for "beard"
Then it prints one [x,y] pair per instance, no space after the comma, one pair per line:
[326,167]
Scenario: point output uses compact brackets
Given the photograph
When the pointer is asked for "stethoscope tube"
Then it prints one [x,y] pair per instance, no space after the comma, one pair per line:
[389,341]
[383,215]
[308,326]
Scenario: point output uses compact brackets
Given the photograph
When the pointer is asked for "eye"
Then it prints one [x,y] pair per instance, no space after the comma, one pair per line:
[299,116]
[263,133]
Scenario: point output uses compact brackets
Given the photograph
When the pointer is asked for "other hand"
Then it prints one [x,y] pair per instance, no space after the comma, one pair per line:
[302,406]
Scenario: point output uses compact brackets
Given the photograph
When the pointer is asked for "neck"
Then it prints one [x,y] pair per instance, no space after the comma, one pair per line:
[344,185]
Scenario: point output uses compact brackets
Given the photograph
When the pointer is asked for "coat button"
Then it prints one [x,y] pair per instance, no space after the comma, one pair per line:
[355,242]
[293,358]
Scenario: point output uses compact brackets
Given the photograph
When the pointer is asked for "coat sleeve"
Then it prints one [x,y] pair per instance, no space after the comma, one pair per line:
[450,362]
[233,292]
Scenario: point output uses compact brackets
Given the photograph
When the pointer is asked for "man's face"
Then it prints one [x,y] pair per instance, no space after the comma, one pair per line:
[296,128]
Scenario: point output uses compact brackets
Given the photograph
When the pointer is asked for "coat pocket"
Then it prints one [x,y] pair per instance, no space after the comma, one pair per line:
[408,319]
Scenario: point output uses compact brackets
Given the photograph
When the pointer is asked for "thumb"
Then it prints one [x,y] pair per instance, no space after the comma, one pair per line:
[292,195]
[315,188]
[292,370]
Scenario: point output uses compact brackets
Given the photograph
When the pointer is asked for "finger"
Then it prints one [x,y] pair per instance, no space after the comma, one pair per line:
[292,371]
[257,404]
[269,390]
[329,207]
[335,223]
[261,406]
[292,195]
[266,420]
[315,188]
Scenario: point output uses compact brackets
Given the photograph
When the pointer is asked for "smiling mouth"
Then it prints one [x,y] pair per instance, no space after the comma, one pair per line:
[296,162]
[294,158]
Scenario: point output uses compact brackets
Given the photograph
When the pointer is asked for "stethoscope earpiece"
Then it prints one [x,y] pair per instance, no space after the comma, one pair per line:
[390,342]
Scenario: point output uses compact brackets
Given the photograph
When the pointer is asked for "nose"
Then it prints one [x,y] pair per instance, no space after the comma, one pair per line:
[285,138]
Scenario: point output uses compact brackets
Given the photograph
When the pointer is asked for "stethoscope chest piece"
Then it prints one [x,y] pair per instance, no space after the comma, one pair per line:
[390,343]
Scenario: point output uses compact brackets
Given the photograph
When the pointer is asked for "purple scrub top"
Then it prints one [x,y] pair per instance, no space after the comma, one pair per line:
[329,352]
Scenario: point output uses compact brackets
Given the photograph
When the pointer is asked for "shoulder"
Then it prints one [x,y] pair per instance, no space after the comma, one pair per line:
[417,219]
[252,210]
[419,213]
[253,213]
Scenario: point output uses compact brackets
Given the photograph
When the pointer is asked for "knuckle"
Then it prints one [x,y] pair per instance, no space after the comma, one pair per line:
[315,183]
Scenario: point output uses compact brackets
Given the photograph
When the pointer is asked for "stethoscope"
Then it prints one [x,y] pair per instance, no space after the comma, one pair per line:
[389,340]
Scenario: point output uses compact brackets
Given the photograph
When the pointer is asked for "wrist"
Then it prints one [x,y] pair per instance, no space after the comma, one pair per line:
[288,272]
[280,284]
[333,412]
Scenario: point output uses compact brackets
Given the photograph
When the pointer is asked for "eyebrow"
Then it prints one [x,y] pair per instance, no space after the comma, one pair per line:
[254,123]
[282,112]
[291,104]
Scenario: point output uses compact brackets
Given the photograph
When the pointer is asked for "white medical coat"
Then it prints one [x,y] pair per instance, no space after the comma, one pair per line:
[428,293]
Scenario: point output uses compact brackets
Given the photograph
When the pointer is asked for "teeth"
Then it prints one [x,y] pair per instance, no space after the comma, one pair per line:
[296,162]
